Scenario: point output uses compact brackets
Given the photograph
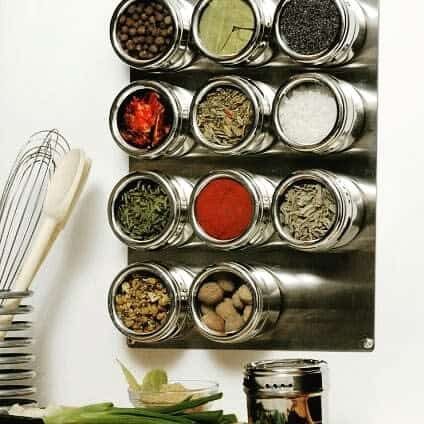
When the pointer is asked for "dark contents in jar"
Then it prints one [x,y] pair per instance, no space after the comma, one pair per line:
[143,210]
[225,116]
[224,209]
[310,26]
[143,303]
[145,119]
[225,303]
[146,29]
[308,211]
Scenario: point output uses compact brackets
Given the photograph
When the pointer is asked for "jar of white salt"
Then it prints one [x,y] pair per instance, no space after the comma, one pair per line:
[318,113]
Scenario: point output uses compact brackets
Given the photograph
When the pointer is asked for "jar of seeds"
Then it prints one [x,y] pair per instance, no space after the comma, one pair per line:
[234,303]
[148,210]
[317,210]
[318,113]
[243,34]
[148,302]
[153,35]
[320,32]
[231,115]
[149,119]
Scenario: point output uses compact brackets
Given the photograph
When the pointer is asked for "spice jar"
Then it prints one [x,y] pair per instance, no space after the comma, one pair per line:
[153,35]
[320,32]
[231,115]
[139,223]
[318,210]
[149,119]
[162,292]
[230,209]
[243,34]
[287,391]
[264,302]
[318,113]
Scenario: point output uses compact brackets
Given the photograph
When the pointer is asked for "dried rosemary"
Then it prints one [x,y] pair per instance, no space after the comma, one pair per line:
[143,211]
[225,116]
[308,211]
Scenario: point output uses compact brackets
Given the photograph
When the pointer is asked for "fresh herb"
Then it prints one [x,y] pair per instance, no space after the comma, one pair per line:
[225,116]
[143,210]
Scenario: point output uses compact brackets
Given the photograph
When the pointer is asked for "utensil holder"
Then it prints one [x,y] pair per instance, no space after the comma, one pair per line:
[16,359]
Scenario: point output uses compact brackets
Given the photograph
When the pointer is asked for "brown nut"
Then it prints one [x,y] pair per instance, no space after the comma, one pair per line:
[225,309]
[210,294]
[247,313]
[214,322]
[237,301]
[245,295]
[227,285]
[234,323]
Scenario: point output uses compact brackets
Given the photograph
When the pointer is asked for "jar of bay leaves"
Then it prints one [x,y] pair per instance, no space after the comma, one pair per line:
[231,115]
[149,119]
[149,210]
[153,35]
[287,391]
[318,210]
[236,32]
[148,302]
[320,32]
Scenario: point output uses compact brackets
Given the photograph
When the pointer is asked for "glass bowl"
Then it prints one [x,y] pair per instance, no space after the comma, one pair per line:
[174,392]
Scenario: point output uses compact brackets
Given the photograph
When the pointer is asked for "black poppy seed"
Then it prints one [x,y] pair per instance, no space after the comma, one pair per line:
[310,26]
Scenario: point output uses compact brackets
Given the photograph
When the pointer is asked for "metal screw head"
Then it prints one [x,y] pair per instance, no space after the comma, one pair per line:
[368,343]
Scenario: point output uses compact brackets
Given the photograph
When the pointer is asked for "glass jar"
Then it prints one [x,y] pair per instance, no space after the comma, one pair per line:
[286,391]
[260,95]
[350,39]
[349,122]
[349,215]
[260,228]
[266,305]
[178,230]
[257,51]
[176,281]
[179,55]
[178,142]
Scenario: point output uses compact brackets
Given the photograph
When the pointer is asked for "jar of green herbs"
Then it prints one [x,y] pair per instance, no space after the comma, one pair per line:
[148,210]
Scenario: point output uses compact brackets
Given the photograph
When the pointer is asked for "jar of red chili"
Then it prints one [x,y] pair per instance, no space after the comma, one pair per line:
[231,209]
[149,119]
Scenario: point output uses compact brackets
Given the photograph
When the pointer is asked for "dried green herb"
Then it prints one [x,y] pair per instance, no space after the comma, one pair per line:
[143,211]
[308,211]
[225,116]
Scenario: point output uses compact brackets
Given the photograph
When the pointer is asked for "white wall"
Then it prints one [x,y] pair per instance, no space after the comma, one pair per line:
[57,69]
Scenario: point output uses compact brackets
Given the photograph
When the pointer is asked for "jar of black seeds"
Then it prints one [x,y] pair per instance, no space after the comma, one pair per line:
[318,210]
[320,32]
[153,35]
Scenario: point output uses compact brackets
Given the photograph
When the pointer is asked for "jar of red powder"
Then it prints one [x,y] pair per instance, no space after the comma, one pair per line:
[231,209]
[149,119]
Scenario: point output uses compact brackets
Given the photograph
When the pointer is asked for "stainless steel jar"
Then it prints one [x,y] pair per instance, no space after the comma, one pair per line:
[178,230]
[258,51]
[178,142]
[261,95]
[350,114]
[351,37]
[176,280]
[180,53]
[260,230]
[287,391]
[350,210]
[267,301]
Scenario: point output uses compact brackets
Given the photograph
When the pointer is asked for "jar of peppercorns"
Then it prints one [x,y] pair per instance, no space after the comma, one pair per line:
[153,35]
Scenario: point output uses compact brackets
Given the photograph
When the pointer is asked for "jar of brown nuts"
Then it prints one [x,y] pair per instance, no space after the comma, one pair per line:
[234,303]
[148,302]
[153,35]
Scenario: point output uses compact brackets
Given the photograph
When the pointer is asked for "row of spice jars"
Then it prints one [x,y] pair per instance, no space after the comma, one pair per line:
[311,113]
[312,210]
[159,35]
[228,302]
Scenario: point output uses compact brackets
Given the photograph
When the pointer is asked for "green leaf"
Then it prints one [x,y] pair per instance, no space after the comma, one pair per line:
[154,380]
[131,380]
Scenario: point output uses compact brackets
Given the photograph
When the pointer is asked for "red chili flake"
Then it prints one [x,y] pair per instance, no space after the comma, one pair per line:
[144,121]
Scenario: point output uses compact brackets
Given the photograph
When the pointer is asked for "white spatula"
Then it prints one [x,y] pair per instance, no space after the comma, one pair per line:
[63,193]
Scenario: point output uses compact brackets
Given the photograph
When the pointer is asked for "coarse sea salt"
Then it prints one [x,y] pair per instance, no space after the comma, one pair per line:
[308,114]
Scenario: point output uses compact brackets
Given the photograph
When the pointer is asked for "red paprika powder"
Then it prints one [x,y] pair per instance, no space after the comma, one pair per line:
[224,209]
